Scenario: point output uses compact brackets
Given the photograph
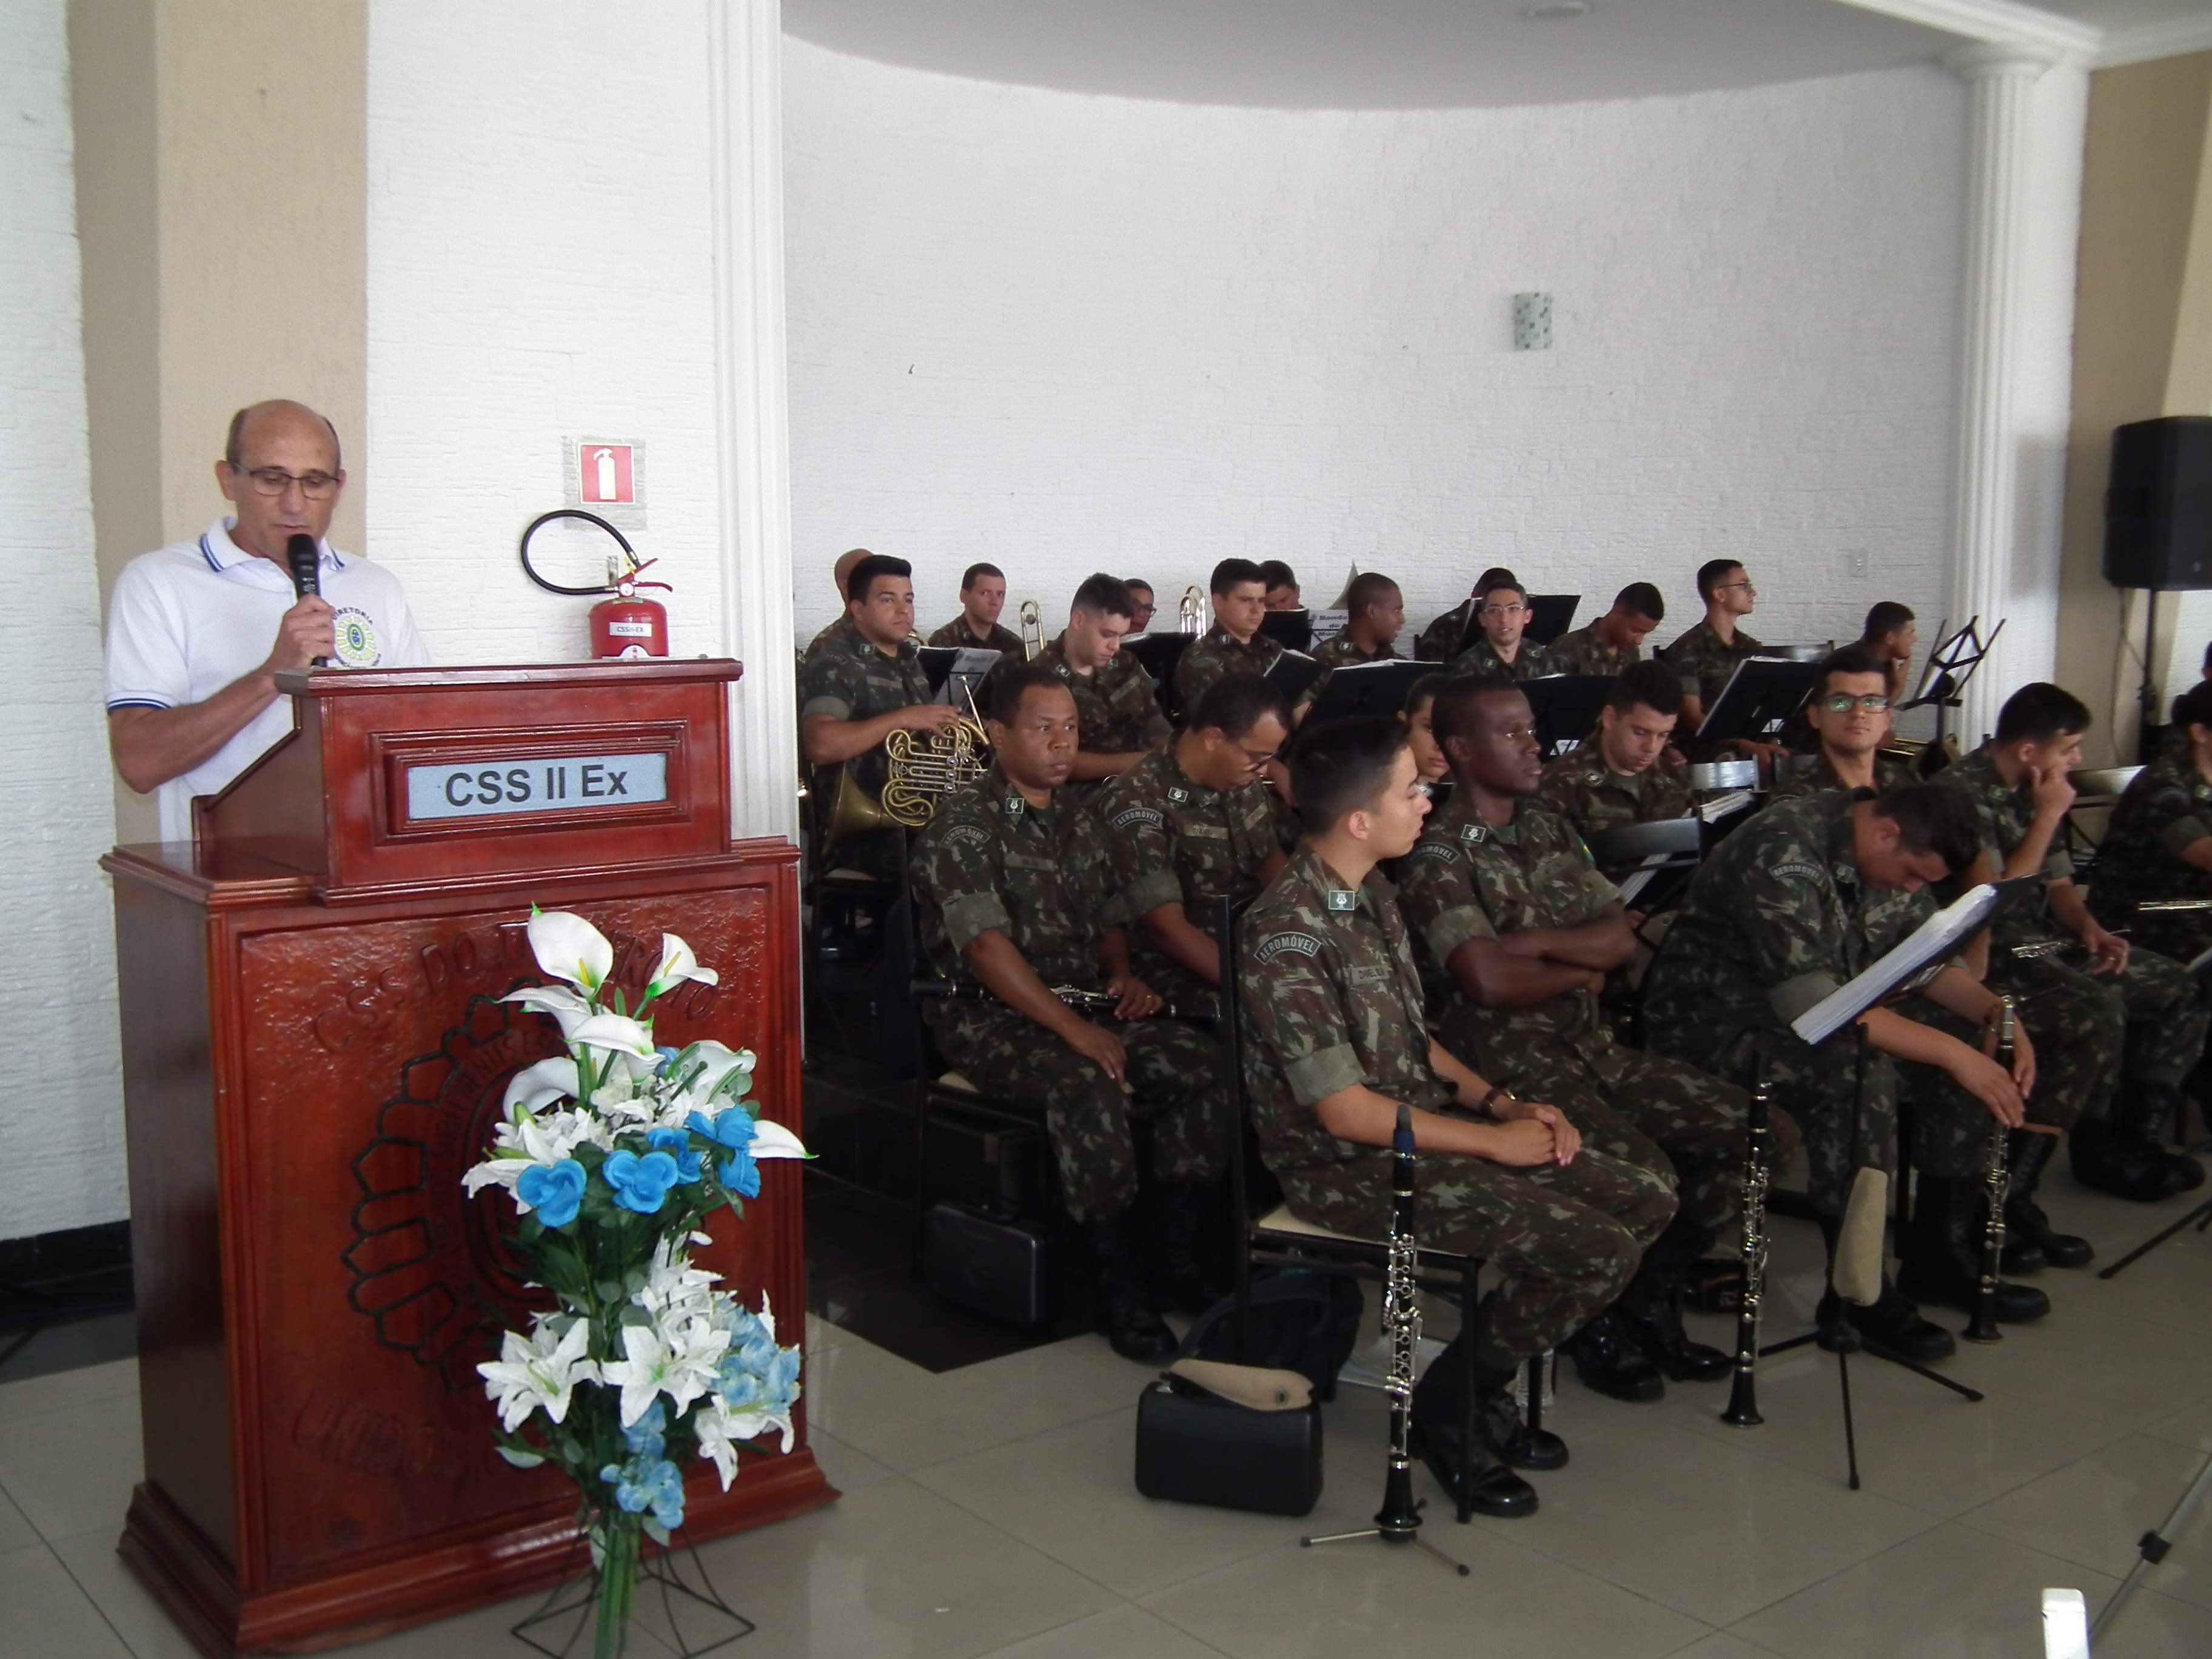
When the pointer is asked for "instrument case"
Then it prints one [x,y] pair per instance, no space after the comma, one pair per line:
[1195,1445]
[998,1265]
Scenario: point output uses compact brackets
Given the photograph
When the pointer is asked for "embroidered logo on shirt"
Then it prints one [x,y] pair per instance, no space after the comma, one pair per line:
[356,638]
[1178,794]
[960,833]
[1304,944]
[1809,871]
[1438,850]
[1014,806]
[1339,900]
[1472,832]
[1129,815]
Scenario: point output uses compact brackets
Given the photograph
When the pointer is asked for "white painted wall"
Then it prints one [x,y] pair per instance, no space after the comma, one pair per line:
[1066,332]
[61,1118]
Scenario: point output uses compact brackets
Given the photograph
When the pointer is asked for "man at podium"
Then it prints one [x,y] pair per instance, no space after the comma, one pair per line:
[199,631]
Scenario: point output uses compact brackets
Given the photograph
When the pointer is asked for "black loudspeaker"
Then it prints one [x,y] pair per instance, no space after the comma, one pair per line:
[2158,506]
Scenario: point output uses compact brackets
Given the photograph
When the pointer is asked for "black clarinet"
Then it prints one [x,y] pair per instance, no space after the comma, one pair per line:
[1743,1411]
[1073,996]
[1399,1517]
[1996,1182]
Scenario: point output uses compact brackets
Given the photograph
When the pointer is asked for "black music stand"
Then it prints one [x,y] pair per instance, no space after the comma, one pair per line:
[938,661]
[1550,615]
[1660,852]
[1368,688]
[1566,709]
[1949,668]
[1758,701]
[1292,672]
[1159,653]
[1291,629]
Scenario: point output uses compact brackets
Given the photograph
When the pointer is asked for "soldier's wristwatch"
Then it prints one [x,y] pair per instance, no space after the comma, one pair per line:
[1490,1101]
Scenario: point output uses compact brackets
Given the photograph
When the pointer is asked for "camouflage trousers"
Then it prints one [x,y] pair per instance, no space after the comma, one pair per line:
[1563,1241]
[1176,1072]
[1821,1087]
[2145,1023]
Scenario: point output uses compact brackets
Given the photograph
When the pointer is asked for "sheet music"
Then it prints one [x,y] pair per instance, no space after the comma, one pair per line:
[1936,939]
[1720,806]
[1640,878]
[966,678]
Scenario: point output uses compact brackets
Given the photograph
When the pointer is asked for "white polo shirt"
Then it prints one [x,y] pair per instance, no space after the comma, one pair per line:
[186,621]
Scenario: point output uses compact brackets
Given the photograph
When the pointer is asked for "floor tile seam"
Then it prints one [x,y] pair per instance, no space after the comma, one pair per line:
[996,1445]
[2103,1445]
[86,1591]
[1934,1522]
[9,1419]
[1750,1444]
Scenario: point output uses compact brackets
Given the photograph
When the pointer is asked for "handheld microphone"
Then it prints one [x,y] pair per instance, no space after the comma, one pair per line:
[306,561]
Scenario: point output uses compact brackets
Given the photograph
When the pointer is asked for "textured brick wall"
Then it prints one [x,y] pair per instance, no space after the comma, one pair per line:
[1068,333]
[61,1116]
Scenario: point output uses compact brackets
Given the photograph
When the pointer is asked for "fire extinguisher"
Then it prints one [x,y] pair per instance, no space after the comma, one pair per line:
[626,624]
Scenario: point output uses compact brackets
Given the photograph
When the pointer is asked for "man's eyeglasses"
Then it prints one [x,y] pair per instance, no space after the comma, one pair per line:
[1501,610]
[1842,702]
[1748,586]
[275,481]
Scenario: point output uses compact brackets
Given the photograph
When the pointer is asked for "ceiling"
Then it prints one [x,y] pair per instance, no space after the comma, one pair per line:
[1396,54]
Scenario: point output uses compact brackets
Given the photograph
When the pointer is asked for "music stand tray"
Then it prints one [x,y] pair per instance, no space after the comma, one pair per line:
[1368,688]
[1759,699]
[1551,614]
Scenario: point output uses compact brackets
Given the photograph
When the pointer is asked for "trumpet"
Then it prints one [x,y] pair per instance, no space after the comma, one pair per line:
[1032,622]
[1191,613]
[1996,1182]
[1743,1411]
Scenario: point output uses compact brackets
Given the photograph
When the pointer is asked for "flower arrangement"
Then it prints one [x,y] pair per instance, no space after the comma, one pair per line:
[614,1156]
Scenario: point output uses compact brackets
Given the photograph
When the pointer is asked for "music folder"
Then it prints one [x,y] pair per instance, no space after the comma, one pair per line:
[1911,965]
[1759,700]
[1293,672]
[1368,688]
[1291,629]
[1566,709]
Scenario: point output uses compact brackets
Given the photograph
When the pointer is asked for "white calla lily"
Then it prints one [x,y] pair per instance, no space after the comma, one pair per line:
[774,1140]
[677,964]
[536,1087]
[566,1007]
[568,947]
[615,1033]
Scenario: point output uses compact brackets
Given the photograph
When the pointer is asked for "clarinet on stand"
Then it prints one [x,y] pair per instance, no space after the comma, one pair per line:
[1399,1520]
[1996,1180]
[1743,1411]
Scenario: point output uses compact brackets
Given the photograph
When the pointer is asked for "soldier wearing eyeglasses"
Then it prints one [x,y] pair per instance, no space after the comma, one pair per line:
[199,631]
[1502,652]
[1849,716]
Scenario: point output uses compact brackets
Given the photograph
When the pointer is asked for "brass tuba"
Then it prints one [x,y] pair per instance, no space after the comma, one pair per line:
[1032,621]
[1192,611]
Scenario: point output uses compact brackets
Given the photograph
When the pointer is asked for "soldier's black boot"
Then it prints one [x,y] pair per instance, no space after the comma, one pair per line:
[1943,1253]
[1178,1281]
[2144,1119]
[1131,1326]
[1608,1361]
[2105,1160]
[1439,1436]
[1892,1323]
[2025,1225]
[1651,1306]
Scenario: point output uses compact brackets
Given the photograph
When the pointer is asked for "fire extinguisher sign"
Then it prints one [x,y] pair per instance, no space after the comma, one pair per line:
[606,476]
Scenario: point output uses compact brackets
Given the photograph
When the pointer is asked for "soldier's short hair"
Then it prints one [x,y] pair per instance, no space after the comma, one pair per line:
[1711,574]
[1641,599]
[1236,703]
[1343,767]
[2194,706]
[1847,659]
[1653,685]
[1007,689]
[1103,595]
[1425,689]
[1505,579]
[1368,588]
[1453,714]
[1229,573]
[1885,617]
[1496,574]
[1933,817]
[968,576]
[1276,573]
[865,572]
[2039,712]
[1132,583]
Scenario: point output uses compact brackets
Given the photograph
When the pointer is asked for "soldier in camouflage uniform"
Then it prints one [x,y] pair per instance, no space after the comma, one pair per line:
[982,595]
[2123,1032]
[1789,909]
[1503,653]
[1442,639]
[1234,645]
[1626,773]
[1335,1045]
[1519,930]
[1013,891]
[1116,701]
[2159,844]
[1376,612]
[1850,714]
[1193,824]
[842,622]
[1707,655]
[1615,640]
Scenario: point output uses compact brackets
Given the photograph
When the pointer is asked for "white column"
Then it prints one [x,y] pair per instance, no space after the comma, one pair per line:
[2017,319]
[752,407]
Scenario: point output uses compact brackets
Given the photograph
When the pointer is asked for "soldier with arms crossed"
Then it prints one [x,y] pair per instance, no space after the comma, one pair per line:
[1234,645]
[1336,1041]
[1013,892]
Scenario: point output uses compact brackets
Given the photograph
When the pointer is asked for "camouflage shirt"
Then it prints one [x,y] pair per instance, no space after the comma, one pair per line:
[1215,655]
[1467,880]
[1341,651]
[1439,641]
[1174,842]
[956,633]
[1776,918]
[1117,707]
[1583,653]
[837,626]
[2165,810]
[2004,814]
[848,679]
[1887,769]
[990,861]
[1481,657]
[1701,658]
[1332,999]
[1591,796]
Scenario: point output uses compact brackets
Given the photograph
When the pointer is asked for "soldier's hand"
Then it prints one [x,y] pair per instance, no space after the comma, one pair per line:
[2108,952]
[1101,1048]
[1990,1084]
[1524,1144]
[2049,788]
[928,717]
[307,631]
[1566,1140]
[1138,1000]
[2023,1059]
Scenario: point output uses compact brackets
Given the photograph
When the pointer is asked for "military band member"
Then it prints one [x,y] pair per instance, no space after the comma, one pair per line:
[1707,655]
[1336,1041]
[1615,640]
[1234,645]
[1892,635]
[1418,717]
[982,597]
[1115,698]
[1849,713]
[1502,652]
[2127,1028]
[1522,930]
[1786,911]
[1013,890]
[841,624]
[1626,773]
[2159,844]
[1282,585]
[1142,606]
[1376,613]
[1442,639]
[1193,825]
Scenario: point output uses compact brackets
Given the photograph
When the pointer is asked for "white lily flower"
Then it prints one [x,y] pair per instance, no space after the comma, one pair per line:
[495,1172]
[677,1358]
[565,1006]
[677,965]
[549,1139]
[674,1286]
[536,1087]
[568,947]
[772,1139]
[534,1371]
[712,1062]
[719,1433]
[613,1031]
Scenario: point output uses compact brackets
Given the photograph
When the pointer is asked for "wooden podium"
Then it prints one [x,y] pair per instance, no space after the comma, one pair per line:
[313,1053]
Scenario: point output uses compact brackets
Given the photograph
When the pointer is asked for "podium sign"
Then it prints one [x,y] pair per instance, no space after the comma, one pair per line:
[314,1052]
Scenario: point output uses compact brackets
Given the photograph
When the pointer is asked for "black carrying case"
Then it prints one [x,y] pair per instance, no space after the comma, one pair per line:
[1195,1447]
[997,1265]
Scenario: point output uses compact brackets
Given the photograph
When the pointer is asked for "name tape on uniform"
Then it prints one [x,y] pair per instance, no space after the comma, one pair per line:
[564,784]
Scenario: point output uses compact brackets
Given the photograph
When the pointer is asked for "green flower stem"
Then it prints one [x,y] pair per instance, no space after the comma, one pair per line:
[617,1586]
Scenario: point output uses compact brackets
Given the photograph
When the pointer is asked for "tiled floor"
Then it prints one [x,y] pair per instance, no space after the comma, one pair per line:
[989,1510]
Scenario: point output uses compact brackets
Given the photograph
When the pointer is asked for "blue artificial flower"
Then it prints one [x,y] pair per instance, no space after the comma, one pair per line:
[645,1437]
[678,1146]
[553,1192]
[780,1383]
[648,1482]
[731,1129]
[640,1184]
